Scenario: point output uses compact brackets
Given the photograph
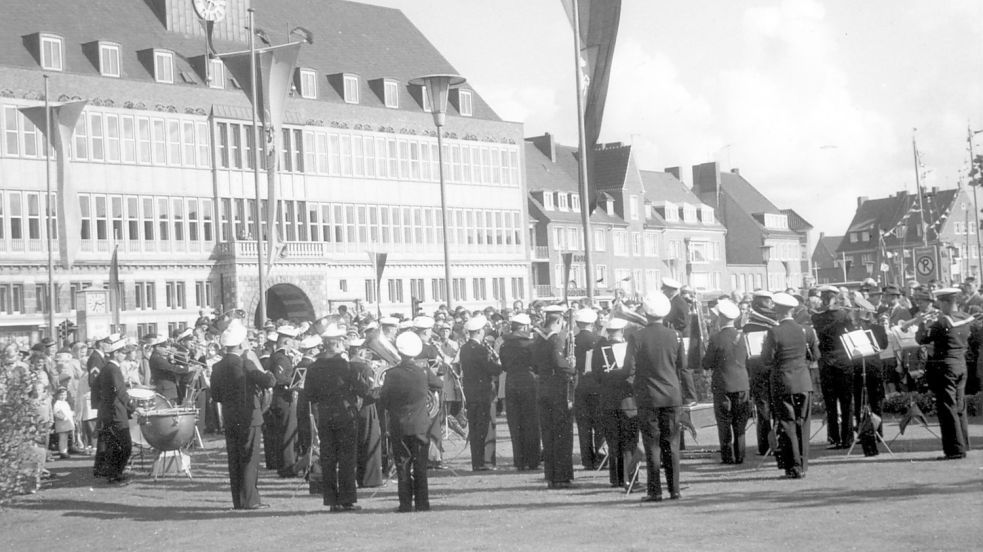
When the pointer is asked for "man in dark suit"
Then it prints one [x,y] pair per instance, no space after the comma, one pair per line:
[404,397]
[521,390]
[336,388]
[835,368]
[761,317]
[586,404]
[556,368]
[678,317]
[165,375]
[619,412]
[94,365]
[280,423]
[479,374]
[656,362]
[236,382]
[725,360]
[784,353]
[115,408]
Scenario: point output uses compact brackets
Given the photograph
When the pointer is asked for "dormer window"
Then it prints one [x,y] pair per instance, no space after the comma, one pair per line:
[672,212]
[308,83]
[609,207]
[427,108]
[548,201]
[109,59]
[216,73]
[351,89]
[52,52]
[464,100]
[689,213]
[390,90]
[564,206]
[575,202]
[706,213]
[164,66]
[633,207]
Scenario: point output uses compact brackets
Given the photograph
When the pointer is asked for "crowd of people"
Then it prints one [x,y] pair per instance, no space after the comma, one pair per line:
[350,398]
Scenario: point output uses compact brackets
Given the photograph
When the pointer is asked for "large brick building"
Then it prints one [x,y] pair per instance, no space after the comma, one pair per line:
[162,162]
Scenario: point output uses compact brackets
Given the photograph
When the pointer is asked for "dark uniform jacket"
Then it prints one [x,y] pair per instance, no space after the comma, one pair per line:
[282,367]
[830,324]
[587,383]
[784,353]
[725,359]
[678,317]
[236,383]
[517,354]
[949,337]
[337,387]
[479,370]
[94,366]
[114,402]
[655,363]
[404,396]
[554,370]
[164,375]
[615,389]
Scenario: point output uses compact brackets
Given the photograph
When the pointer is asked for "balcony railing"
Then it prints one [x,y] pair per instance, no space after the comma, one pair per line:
[288,250]
[541,253]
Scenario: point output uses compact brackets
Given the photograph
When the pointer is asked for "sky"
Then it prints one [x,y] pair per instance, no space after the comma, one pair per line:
[816,103]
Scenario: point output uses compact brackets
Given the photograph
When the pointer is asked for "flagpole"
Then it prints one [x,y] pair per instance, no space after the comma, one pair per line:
[256,158]
[918,188]
[584,199]
[48,199]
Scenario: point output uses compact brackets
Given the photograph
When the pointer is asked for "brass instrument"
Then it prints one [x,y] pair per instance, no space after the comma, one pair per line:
[181,358]
[924,317]
[569,349]
[492,353]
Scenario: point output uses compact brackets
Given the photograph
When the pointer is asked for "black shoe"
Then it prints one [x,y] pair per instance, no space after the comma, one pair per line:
[675,496]
[259,506]
[958,456]
[652,498]
[833,446]
[119,481]
[403,510]
[423,508]
[350,508]
[482,468]
[563,485]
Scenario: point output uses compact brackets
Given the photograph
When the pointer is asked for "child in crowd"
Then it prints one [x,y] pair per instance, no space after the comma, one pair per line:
[64,421]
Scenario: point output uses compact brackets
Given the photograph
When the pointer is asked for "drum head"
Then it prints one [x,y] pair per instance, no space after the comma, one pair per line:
[141,394]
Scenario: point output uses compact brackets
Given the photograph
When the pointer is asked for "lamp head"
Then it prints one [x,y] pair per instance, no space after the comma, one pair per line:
[438,87]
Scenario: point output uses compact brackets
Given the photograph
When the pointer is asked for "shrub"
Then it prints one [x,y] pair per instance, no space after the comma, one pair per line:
[19,429]
[898,403]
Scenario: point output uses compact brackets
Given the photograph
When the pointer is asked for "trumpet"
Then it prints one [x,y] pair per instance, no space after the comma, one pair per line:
[925,317]
[492,353]
[181,358]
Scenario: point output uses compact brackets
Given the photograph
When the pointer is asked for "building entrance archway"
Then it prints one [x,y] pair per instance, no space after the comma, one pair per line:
[288,302]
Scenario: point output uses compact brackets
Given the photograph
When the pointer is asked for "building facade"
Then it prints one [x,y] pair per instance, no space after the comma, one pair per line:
[162,161]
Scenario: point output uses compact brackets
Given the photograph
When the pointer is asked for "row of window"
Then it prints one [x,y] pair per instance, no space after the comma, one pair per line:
[746,282]
[23,215]
[479,290]
[147,219]
[341,223]
[372,155]
[144,297]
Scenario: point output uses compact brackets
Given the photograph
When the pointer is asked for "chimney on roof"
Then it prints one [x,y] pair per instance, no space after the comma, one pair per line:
[861,200]
[674,171]
[902,193]
[935,190]
[706,183]
[613,145]
[736,171]
[822,235]
[545,144]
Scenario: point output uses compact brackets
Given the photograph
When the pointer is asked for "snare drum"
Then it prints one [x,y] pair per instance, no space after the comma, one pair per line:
[142,397]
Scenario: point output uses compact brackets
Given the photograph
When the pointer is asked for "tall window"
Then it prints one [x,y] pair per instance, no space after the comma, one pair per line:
[109,59]
[351,89]
[52,48]
[464,97]
[391,93]
[370,291]
[164,66]
[633,207]
[216,73]
[308,83]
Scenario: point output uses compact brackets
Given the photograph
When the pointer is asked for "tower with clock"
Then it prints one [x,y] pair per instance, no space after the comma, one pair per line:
[93,315]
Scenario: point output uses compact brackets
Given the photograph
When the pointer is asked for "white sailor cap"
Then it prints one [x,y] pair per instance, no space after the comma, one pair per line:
[764,293]
[287,331]
[476,323]
[233,336]
[118,344]
[946,292]
[671,283]
[586,316]
[409,344]
[334,331]
[423,323]
[522,318]
[656,304]
[310,342]
[388,321]
[728,309]
[615,324]
[826,288]
[554,308]
[785,300]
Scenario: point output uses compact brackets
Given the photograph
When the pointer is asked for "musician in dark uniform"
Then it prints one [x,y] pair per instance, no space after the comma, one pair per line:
[479,371]
[236,383]
[835,368]
[784,352]
[280,423]
[165,375]
[521,389]
[725,360]
[760,318]
[946,371]
[678,317]
[555,368]
[404,397]
[337,388]
[115,408]
[310,346]
[619,418]
[586,403]
[656,363]
[432,359]
[94,365]
[891,313]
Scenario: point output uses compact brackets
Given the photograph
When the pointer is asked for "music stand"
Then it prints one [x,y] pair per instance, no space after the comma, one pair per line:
[861,345]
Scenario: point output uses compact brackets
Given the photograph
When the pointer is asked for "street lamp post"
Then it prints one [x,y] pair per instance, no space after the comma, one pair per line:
[437,88]
[766,258]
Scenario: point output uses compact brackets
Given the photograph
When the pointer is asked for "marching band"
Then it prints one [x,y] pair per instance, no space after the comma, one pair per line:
[347,400]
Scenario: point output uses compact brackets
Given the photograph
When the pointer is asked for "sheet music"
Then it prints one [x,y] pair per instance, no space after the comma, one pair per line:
[860,344]
[753,342]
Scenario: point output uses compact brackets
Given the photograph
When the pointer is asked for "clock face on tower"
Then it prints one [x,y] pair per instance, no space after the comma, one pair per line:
[95,303]
[210,10]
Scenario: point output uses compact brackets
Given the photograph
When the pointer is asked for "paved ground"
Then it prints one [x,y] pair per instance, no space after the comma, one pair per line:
[905,502]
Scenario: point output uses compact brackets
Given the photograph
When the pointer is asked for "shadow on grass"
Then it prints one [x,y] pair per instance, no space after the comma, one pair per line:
[109,511]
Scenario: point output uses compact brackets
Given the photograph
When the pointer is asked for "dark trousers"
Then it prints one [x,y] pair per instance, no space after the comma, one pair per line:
[284,411]
[587,412]
[792,414]
[304,423]
[874,385]
[339,457]
[660,437]
[731,411]
[836,383]
[761,401]
[369,445]
[99,464]
[242,448]
[556,429]
[270,441]
[479,422]
[621,435]
[520,411]
[118,447]
[950,404]
[410,455]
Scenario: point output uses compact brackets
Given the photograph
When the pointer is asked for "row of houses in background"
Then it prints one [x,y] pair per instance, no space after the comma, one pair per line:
[902,237]
[162,161]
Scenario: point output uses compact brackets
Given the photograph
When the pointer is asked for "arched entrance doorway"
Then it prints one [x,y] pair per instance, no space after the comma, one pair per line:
[288,302]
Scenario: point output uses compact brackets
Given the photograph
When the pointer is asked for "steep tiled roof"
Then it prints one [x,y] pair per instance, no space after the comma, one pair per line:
[544,174]
[825,252]
[661,186]
[885,214]
[370,41]
[796,221]
[745,195]
[599,216]
[609,166]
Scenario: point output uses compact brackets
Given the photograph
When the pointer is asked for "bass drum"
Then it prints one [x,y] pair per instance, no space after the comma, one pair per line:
[147,400]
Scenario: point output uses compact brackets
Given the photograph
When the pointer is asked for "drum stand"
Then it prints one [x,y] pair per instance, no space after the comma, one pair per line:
[865,404]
